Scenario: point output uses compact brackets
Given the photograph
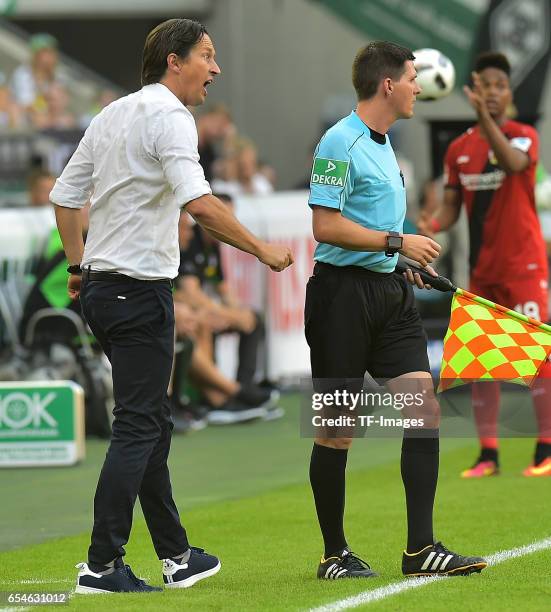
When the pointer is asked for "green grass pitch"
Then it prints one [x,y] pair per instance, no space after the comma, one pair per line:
[243,494]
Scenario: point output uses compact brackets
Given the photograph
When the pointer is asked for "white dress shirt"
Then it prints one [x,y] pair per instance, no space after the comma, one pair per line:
[138,165]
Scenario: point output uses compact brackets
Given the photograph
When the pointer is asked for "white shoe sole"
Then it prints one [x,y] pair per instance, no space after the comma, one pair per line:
[84,590]
[272,401]
[189,582]
[227,417]
[274,413]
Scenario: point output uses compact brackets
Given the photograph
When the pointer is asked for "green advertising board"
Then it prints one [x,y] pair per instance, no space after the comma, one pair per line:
[447,25]
[41,423]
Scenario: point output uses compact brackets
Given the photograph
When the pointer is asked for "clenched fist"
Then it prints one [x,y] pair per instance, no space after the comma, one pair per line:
[73,286]
[276,256]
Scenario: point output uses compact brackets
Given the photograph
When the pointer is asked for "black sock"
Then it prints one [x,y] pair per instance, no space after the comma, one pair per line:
[489,454]
[327,477]
[419,467]
[543,450]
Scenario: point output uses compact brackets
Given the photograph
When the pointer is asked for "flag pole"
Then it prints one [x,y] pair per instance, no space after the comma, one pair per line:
[441,283]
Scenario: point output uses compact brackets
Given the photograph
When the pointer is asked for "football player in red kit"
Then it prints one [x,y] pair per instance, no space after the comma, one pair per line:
[491,170]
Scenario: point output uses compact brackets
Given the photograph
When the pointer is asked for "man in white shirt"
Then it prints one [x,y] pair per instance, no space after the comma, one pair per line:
[138,163]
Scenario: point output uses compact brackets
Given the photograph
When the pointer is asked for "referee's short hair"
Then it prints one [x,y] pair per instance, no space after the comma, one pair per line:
[172,36]
[376,61]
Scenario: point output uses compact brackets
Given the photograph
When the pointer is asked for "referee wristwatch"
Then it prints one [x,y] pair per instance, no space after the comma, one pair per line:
[394,242]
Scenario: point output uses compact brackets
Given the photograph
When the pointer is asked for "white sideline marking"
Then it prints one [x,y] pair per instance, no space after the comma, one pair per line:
[39,581]
[412,583]
[36,581]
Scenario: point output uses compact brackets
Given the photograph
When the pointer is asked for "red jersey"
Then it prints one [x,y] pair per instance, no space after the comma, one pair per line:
[505,235]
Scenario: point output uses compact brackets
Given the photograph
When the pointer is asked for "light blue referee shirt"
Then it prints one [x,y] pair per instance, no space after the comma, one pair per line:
[355,171]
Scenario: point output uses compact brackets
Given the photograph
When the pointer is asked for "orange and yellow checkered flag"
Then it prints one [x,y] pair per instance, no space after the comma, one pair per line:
[486,341]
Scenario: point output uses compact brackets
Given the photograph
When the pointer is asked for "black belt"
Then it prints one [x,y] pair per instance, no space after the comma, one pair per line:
[116,277]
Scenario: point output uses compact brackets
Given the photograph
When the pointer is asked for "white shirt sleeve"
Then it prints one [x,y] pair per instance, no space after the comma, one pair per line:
[176,147]
[74,187]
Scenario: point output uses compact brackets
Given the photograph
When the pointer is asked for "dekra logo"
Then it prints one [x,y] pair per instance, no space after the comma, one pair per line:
[331,172]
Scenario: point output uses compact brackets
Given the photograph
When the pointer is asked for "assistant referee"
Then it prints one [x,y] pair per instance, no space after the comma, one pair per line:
[360,316]
[138,163]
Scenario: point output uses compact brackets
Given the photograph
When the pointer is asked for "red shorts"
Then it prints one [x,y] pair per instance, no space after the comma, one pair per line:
[528,296]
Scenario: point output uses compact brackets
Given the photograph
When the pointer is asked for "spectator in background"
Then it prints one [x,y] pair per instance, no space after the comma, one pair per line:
[201,279]
[268,172]
[31,82]
[55,115]
[39,184]
[105,97]
[230,401]
[241,172]
[214,128]
[11,115]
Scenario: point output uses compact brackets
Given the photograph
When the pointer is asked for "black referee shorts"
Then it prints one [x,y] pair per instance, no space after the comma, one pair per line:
[357,320]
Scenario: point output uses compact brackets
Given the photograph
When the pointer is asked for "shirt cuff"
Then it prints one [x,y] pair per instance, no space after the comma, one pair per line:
[67,196]
[185,196]
[325,203]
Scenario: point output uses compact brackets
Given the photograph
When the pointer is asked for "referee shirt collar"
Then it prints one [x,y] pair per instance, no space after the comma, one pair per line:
[376,136]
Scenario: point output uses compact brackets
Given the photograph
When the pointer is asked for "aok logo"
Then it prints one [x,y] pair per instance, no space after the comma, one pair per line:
[330,172]
[19,410]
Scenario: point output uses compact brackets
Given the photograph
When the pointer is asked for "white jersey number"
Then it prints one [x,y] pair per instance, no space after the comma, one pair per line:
[529,309]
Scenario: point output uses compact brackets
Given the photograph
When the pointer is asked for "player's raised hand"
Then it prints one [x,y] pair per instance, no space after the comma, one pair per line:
[474,95]
[422,249]
[276,256]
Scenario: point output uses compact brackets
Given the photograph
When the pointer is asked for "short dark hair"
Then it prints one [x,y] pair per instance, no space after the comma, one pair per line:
[492,59]
[376,61]
[172,36]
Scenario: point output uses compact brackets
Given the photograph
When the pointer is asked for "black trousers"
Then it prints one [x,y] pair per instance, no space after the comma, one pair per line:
[134,323]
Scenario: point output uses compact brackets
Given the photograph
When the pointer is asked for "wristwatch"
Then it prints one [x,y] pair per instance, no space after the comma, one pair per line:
[75,269]
[394,243]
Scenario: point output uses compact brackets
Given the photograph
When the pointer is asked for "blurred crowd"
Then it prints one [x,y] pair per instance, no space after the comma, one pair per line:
[36,96]
[230,160]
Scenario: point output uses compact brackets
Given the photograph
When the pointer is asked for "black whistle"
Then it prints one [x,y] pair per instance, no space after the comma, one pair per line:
[436,282]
